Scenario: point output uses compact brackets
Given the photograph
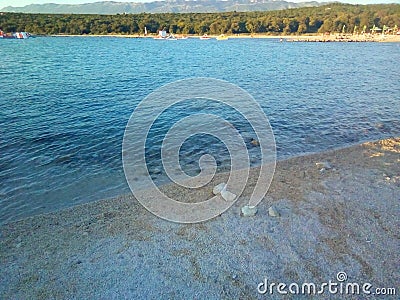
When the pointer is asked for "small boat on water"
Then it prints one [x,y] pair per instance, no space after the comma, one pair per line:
[21,35]
[15,35]
[163,35]
[167,38]
[205,37]
[222,37]
[171,37]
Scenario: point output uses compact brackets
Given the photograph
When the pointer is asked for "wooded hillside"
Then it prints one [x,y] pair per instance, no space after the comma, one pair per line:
[332,17]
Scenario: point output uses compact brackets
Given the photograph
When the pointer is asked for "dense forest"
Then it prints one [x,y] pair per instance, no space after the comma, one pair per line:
[332,18]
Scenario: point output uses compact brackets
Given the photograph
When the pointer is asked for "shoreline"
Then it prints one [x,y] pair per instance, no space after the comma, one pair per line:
[305,37]
[164,185]
[342,215]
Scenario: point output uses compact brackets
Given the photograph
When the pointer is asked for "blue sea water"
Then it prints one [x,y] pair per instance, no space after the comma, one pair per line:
[65,102]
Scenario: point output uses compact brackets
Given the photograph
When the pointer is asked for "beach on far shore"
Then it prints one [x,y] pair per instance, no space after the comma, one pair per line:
[335,211]
[300,38]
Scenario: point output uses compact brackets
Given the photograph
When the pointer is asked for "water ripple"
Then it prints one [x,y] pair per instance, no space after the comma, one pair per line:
[64,104]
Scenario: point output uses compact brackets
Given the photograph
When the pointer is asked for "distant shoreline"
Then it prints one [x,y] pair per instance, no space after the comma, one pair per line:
[297,38]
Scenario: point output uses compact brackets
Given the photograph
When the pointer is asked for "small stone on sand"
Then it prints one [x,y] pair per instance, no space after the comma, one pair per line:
[228,196]
[249,211]
[218,188]
[323,165]
[272,212]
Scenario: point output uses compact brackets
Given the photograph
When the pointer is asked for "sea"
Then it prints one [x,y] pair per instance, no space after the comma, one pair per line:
[65,103]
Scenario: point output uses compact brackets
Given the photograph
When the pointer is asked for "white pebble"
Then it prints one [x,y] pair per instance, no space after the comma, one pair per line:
[324,165]
[228,196]
[272,212]
[249,211]
[218,188]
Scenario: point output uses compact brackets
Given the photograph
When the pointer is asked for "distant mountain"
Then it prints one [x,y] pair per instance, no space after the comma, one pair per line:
[111,7]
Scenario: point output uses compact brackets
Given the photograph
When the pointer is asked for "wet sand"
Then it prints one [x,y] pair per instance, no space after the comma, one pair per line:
[342,215]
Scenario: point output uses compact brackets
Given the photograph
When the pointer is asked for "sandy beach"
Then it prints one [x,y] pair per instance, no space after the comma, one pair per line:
[330,38]
[305,37]
[337,211]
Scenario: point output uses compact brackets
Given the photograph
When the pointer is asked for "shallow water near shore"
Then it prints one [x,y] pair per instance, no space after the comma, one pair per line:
[64,104]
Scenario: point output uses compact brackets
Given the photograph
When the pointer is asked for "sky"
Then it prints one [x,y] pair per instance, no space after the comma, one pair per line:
[17,3]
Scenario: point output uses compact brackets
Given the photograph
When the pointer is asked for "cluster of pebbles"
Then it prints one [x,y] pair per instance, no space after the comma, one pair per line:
[247,210]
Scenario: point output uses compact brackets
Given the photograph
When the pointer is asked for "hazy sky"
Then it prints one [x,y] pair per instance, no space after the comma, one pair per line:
[4,3]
